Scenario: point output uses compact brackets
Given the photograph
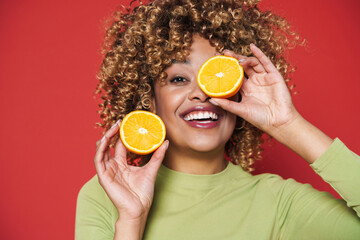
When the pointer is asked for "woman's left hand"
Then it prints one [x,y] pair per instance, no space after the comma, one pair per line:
[266,101]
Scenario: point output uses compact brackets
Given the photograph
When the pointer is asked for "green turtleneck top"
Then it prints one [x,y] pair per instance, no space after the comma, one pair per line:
[234,204]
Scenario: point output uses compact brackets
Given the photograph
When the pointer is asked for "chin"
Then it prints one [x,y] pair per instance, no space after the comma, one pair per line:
[204,146]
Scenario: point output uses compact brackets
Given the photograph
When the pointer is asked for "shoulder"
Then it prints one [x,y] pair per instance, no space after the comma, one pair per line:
[92,194]
[95,213]
[271,184]
[91,189]
[285,189]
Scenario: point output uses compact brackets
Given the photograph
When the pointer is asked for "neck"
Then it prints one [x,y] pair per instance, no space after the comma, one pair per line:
[194,162]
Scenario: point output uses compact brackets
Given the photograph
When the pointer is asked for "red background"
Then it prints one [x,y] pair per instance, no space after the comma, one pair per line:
[49,58]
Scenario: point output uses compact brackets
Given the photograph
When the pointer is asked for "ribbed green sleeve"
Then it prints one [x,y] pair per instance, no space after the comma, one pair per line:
[340,167]
[309,214]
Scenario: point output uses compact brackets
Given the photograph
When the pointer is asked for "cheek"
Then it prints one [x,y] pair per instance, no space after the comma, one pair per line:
[164,107]
[168,102]
[161,110]
[230,125]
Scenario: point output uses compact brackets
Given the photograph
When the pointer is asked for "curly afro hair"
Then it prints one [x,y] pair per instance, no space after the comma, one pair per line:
[142,42]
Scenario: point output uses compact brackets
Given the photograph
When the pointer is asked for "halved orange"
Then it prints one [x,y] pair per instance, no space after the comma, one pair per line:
[142,132]
[220,76]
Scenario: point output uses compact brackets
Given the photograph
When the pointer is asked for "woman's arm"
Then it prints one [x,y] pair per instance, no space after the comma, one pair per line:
[340,168]
[303,138]
[266,103]
[306,213]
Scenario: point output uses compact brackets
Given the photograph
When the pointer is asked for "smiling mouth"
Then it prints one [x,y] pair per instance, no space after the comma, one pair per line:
[201,116]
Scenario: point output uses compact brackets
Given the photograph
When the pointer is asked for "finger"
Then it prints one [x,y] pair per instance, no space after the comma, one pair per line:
[264,60]
[120,151]
[109,133]
[99,156]
[251,65]
[102,147]
[154,164]
[107,154]
[230,106]
[113,130]
[230,53]
[97,145]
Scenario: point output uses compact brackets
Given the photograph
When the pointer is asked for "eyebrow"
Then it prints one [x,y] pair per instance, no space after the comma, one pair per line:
[187,62]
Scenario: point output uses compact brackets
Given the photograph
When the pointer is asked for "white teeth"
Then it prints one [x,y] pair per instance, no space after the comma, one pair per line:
[206,115]
[201,115]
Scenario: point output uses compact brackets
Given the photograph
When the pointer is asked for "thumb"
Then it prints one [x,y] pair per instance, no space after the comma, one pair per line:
[230,106]
[154,164]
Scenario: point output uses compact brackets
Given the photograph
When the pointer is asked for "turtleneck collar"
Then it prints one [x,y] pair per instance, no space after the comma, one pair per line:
[171,178]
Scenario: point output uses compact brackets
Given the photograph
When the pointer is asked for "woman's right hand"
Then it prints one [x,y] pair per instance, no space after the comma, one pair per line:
[130,188]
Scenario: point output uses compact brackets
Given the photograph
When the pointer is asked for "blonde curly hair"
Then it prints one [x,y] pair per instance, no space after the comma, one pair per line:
[142,42]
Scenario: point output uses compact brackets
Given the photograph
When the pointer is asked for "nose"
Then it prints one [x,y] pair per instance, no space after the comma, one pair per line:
[196,93]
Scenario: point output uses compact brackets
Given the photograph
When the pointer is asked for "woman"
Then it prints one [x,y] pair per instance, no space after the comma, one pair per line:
[187,189]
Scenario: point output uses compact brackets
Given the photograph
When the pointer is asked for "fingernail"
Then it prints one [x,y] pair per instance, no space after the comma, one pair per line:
[116,124]
[252,45]
[103,139]
[167,144]
[213,102]
[242,60]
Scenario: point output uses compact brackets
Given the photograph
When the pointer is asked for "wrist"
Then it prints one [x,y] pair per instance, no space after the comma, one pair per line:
[303,138]
[133,213]
[282,132]
[124,217]
[130,228]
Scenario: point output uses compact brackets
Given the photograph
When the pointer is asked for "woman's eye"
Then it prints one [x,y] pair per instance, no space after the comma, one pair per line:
[178,80]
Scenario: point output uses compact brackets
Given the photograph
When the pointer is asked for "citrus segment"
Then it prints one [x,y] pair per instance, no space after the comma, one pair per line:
[220,76]
[142,132]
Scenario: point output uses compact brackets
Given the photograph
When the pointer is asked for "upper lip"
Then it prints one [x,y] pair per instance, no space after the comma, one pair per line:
[209,108]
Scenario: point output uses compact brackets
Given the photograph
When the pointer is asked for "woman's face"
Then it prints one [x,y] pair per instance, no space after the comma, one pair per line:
[192,122]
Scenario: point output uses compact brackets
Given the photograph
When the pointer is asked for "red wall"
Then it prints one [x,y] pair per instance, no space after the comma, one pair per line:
[48,61]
